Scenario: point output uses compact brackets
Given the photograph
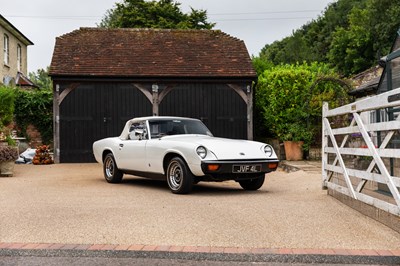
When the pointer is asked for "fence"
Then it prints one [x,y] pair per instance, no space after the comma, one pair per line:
[350,137]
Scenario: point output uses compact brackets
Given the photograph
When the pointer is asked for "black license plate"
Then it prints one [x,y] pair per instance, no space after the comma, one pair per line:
[247,168]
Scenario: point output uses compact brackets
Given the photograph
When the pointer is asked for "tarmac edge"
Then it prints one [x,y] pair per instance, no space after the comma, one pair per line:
[331,256]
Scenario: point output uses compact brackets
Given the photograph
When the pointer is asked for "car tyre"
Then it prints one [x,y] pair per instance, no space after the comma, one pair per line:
[110,169]
[180,179]
[252,184]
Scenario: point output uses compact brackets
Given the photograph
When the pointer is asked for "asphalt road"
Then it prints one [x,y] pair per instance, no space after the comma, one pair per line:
[71,261]
[72,203]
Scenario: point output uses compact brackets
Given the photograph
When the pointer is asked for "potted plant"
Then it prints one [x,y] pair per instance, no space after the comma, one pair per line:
[8,155]
[296,138]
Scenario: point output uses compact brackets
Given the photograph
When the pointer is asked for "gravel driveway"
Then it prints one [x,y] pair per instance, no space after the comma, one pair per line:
[72,203]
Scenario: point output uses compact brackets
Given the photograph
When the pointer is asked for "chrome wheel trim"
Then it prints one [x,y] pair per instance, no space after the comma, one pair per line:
[109,168]
[175,175]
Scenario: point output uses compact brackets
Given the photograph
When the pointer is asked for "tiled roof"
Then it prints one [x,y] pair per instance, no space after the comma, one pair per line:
[150,53]
[23,81]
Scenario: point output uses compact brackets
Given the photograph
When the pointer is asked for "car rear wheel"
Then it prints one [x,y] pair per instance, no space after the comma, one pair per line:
[252,184]
[180,179]
[111,172]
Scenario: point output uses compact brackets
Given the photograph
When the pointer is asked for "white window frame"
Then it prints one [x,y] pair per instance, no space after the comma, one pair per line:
[6,41]
[19,57]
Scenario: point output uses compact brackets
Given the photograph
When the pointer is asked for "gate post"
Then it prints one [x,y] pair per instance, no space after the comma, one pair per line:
[324,161]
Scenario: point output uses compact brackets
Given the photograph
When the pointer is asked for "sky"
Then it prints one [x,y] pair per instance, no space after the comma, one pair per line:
[256,22]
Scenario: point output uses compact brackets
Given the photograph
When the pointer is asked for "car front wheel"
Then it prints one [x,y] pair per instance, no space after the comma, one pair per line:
[252,184]
[180,179]
[111,172]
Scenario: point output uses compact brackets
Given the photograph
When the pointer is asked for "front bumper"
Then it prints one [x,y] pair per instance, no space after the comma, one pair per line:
[238,169]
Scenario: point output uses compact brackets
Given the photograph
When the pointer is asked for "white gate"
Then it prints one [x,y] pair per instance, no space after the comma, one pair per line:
[339,174]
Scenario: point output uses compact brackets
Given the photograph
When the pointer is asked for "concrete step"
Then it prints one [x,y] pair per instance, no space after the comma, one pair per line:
[307,166]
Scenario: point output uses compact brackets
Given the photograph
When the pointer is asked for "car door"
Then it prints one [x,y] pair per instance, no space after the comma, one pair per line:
[132,152]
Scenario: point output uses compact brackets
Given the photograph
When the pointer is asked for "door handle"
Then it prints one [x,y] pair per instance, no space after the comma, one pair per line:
[121,145]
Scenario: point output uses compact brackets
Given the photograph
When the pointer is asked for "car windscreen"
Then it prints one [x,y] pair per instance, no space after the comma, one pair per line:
[159,128]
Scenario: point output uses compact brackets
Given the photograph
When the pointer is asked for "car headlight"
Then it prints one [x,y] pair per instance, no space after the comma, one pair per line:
[202,152]
[268,150]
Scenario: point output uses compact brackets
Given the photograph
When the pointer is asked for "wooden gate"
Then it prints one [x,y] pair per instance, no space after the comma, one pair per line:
[349,136]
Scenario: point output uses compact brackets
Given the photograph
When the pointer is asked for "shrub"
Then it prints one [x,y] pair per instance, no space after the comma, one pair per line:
[7,101]
[8,153]
[290,99]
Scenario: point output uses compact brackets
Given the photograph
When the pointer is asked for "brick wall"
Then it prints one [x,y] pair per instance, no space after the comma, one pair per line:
[35,139]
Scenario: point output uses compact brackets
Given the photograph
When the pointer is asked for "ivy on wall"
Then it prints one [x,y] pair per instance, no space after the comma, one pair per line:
[35,107]
[6,106]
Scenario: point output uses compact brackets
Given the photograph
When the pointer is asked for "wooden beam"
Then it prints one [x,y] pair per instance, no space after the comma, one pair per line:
[248,99]
[58,98]
[165,92]
[67,91]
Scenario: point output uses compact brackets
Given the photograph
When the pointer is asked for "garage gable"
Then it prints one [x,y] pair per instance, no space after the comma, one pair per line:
[150,53]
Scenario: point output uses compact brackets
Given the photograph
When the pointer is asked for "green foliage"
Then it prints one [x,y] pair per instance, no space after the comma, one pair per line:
[260,65]
[41,79]
[352,50]
[7,98]
[350,36]
[290,50]
[35,107]
[25,107]
[290,99]
[163,14]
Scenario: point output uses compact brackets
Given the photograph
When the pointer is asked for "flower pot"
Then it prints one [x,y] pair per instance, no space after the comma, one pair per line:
[293,150]
[7,168]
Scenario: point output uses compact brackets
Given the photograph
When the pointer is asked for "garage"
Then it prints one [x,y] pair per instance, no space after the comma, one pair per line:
[103,77]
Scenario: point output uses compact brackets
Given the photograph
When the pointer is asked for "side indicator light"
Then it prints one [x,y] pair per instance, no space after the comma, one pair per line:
[213,167]
[272,166]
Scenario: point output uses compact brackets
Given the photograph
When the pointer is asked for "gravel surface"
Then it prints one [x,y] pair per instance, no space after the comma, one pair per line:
[72,203]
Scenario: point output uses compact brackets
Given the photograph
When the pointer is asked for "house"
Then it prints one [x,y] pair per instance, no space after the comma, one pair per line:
[388,79]
[103,77]
[384,77]
[380,79]
[13,55]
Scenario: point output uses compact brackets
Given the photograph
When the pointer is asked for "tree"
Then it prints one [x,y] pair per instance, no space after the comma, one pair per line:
[41,79]
[164,14]
[350,36]
[351,50]
[384,23]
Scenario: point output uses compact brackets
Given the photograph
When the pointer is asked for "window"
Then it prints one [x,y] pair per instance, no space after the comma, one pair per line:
[6,49]
[135,129]
[19,57]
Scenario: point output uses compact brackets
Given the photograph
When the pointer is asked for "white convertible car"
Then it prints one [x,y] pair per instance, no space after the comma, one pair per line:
[184,152]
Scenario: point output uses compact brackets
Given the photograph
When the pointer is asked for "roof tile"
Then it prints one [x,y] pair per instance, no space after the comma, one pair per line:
[150,53]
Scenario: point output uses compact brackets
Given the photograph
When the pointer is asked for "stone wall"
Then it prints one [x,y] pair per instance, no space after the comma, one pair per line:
[382,216]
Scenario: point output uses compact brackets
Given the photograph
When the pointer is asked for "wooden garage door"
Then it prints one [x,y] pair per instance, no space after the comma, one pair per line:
[217,105]
[95,111]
